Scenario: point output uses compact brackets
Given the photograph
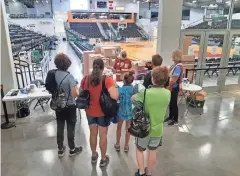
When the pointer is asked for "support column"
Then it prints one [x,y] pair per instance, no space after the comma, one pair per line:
[169,27]
[8,78]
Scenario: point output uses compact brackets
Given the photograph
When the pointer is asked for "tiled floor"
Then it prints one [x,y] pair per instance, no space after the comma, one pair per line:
[200,145]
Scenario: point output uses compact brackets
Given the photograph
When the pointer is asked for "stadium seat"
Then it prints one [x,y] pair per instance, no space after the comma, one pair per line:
[90,30]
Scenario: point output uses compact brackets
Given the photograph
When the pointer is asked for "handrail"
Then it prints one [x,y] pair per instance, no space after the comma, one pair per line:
[191,24]
[204,69]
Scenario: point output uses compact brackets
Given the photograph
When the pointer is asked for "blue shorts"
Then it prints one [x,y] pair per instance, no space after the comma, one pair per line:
[101,121]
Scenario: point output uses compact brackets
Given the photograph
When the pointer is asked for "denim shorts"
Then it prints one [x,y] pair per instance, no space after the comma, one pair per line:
[152,143]
[101,121]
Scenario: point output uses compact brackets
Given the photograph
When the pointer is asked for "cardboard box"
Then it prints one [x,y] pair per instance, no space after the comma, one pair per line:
[93,57]
[109,51]
[200,96]
[86,62]
[106,61]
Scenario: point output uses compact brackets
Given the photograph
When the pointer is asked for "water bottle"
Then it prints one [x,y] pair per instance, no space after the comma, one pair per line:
[38,84]
[185,81]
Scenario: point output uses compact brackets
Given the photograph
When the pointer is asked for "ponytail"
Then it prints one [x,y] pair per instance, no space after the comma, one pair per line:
[96,75]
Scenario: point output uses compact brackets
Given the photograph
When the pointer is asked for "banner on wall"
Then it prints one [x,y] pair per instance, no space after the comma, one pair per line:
[110,2]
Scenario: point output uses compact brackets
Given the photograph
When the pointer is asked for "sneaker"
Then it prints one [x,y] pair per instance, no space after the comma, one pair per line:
[94,158]
[75,151]
[117,147]
[167,119]
[61,152]
[172,123]
[138,174]
[126,149]
[104,163]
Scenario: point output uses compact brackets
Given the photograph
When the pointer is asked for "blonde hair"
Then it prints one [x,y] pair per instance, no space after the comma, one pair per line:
[177,56]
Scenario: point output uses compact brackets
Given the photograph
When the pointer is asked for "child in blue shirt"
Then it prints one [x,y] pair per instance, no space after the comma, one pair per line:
[125,110]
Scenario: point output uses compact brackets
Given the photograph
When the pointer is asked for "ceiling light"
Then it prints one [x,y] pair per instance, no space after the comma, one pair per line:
[13,0]
[194,1]
[138,2]
[36,1]
[227,2]
[134,0]
[46,1]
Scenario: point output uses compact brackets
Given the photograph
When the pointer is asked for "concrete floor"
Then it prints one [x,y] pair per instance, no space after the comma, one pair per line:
[200,145]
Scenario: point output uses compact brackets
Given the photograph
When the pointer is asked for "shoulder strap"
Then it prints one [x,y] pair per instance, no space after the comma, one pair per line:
[103,83]
[85,78]
[63,79]
[144,99]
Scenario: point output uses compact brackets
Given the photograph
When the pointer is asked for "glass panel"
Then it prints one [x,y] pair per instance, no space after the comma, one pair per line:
[191,48]
[213,59]
[234,61]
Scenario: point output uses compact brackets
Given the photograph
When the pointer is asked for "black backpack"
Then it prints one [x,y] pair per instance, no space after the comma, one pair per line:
[59,100]
[108,105]
[83,100]
[140,125]
[50,83]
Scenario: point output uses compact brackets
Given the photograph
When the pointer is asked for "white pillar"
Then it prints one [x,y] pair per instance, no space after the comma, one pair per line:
[169,27]
[8,78]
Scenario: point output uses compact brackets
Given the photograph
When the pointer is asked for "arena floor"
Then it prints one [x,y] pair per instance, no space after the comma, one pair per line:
[137,50]
[143,50]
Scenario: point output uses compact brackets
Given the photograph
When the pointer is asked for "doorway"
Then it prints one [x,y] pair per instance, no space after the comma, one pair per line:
[213,50]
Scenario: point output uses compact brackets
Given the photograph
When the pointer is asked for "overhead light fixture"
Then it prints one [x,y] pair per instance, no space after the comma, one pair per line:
[138,2]
[194,1]
[36,1]
[134,0]
[13,0]
[227,2]
[46,1]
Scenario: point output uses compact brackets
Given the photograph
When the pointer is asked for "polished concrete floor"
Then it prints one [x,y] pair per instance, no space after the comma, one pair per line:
[206,144]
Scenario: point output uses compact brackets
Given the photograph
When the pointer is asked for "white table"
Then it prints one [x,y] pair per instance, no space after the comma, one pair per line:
[38,93]
[190,89]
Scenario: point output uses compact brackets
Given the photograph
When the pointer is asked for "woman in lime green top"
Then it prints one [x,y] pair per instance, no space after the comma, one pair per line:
[156,102]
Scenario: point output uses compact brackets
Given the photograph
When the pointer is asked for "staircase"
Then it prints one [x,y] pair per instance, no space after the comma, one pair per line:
[113,31]
[142,31]
[102,31]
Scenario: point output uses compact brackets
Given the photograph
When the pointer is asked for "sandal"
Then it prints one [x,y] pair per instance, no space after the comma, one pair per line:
[117,147]
[126,149]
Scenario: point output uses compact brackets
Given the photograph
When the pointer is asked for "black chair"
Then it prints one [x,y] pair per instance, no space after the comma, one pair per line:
[209,64]
[215,67]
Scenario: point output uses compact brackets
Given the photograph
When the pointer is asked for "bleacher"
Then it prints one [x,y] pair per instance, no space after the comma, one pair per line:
[216,25]
[23,38]
[130,31]
[105,26]
[89,30]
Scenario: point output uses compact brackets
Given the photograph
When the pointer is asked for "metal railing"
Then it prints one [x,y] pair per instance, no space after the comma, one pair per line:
[233,68]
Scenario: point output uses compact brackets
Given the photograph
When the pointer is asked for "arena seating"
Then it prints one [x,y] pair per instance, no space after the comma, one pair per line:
[130,31]
[23,38]
[216,25]
[89,30]
[105,26]
[29,16]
